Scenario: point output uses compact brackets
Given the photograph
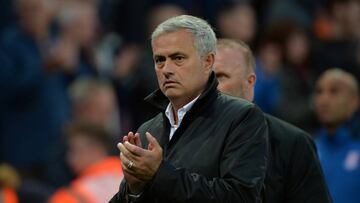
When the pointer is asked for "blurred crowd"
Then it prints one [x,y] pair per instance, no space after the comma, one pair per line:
[86,65]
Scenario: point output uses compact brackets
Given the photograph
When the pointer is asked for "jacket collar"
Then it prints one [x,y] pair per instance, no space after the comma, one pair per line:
[159,100]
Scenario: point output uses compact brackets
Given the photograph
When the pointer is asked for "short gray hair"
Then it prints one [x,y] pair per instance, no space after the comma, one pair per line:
[204,36]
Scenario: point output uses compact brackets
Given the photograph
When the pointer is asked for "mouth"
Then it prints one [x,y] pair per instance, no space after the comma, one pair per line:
[169,83]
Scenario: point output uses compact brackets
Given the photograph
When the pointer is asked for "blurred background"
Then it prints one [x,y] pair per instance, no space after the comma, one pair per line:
[89,61]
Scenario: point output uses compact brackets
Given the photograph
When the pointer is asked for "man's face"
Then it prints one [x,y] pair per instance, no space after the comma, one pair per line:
[182,74]
[230,70]
[333,100]
[79,155]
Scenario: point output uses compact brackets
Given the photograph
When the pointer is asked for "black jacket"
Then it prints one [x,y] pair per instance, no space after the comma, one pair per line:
[218,154]
[294,174]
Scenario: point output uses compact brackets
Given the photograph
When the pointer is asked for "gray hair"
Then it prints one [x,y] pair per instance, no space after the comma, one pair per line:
[204,36]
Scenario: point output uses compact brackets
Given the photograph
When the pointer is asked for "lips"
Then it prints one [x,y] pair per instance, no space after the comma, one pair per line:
[168,83]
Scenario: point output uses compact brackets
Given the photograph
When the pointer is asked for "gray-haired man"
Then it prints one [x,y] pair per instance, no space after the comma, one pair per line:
[204,146]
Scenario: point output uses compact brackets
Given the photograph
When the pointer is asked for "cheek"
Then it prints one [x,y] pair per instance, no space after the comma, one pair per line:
[159,76]
[345,106]
[224,87]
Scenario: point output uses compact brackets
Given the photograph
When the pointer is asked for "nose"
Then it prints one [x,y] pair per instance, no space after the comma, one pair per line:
[168,69]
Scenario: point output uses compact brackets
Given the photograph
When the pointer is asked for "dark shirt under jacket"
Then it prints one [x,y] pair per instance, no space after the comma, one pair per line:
[294,174]
[218,154]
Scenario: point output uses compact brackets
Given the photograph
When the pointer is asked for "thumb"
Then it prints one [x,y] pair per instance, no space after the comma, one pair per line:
[153,143]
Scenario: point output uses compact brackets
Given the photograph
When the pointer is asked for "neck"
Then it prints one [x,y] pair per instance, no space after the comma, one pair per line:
[176,119]
[178,104]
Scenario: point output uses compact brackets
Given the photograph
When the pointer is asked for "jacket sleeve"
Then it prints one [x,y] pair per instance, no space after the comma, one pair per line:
[121,195]
[307,183]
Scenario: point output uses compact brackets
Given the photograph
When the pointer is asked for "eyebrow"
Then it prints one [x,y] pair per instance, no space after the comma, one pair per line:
[171,55]
[176,54]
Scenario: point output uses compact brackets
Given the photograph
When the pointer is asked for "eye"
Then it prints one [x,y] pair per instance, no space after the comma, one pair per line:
[159,60]
[178,59]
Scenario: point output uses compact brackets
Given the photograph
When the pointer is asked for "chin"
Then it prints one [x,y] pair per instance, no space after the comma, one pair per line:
[171,93]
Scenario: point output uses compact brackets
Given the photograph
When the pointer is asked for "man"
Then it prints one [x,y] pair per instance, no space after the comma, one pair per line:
[33,105]
[294,173]
[98,173]
[204,146]
[336,98]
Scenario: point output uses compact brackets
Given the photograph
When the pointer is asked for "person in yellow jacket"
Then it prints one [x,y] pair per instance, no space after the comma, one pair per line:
[9,181]
[99,173]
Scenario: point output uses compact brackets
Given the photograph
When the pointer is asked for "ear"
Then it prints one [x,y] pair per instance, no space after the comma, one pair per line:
[251,79]
[209,60]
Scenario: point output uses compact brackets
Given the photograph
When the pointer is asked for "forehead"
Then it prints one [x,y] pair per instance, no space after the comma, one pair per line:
[331,81]
[177,41]
[231,59]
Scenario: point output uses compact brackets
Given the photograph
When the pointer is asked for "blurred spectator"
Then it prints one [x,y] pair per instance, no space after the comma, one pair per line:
[94,101]
[34,104]
[9,181]
[268,67]
[237,21]
[73,50]
[336,98]
[297,76]
[88,154]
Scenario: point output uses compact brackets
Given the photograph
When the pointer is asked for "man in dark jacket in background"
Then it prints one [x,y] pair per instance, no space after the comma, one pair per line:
[294,173]
[204,146]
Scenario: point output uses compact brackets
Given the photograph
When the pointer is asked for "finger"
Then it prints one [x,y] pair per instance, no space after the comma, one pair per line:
[138,140]
[131,137]
[137,151]
[124,160]
[125,138]
[127,153]
[153,143]
[124,164]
